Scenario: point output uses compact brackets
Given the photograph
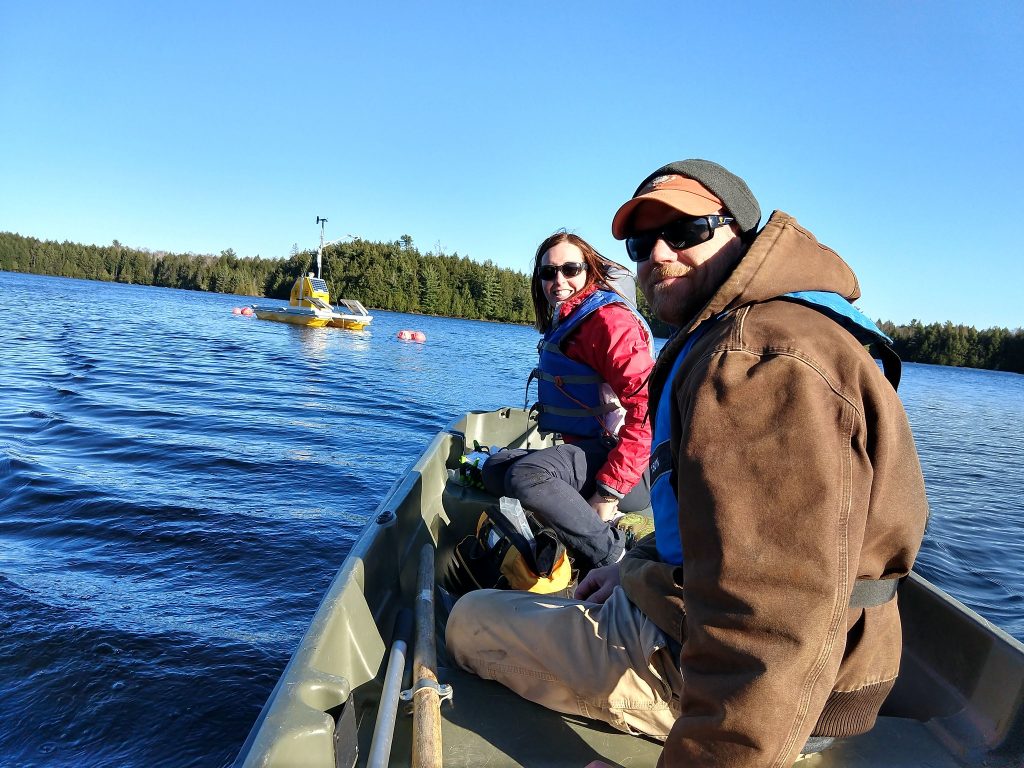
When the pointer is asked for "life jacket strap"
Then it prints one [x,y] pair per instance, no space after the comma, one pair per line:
[892,366]
[569,379]
[538,374]
[596,411]
[529,381]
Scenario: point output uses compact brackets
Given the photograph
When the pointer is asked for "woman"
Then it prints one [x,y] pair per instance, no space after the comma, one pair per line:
[592,383]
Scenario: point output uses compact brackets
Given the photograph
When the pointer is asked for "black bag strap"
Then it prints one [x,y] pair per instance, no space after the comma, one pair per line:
[510,530]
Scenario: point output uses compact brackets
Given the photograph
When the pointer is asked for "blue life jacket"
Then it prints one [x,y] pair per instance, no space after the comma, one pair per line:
[663,494]
[569,392]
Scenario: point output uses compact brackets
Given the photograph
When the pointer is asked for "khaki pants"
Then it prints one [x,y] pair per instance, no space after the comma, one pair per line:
[605,662]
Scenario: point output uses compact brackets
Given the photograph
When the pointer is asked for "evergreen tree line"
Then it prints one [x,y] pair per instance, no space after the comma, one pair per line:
[397,277]
[391,276]
[996,349]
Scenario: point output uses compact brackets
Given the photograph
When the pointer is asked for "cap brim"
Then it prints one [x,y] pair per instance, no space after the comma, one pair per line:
[657,208]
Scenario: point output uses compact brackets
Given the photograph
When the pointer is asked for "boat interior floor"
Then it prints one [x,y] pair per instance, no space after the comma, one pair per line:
[485,724]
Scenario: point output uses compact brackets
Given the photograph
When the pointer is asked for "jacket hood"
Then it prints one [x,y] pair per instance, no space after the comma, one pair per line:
[783,258]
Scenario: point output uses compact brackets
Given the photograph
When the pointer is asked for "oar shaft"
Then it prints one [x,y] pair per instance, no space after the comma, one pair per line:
[426,724]
[387,712]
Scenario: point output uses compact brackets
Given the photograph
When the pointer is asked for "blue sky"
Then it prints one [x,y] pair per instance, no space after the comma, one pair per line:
[893,131]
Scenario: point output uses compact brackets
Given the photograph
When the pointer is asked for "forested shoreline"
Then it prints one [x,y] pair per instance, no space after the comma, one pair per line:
[397,277]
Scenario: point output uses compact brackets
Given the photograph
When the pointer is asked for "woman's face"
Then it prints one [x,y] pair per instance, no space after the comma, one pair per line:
[560,287]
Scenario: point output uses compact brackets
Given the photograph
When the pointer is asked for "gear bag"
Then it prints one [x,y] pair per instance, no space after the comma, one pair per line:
[512,550]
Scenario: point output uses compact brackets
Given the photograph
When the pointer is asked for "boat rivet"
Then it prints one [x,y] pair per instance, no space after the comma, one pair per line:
[385,517]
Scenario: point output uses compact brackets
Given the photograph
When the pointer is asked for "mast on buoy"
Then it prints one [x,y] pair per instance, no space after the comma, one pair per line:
[320,251]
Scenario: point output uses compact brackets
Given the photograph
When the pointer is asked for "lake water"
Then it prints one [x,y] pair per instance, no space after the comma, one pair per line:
[178,486]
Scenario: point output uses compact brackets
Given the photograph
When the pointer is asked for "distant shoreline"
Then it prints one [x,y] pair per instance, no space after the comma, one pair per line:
[396,277]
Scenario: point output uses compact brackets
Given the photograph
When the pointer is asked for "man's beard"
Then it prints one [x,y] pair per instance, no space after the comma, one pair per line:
[663,299]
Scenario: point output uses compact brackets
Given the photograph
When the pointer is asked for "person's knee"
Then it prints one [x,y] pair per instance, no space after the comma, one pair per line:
[494,471]
[468,626]
[493,476]
[468,615]
[523,476]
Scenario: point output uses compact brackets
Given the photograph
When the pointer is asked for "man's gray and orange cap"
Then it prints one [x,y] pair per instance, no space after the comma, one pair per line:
[691,187]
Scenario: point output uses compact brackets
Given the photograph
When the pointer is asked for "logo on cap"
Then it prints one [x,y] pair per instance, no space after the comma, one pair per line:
[661,180]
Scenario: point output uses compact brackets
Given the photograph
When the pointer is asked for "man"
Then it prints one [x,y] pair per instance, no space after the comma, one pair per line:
[759,620]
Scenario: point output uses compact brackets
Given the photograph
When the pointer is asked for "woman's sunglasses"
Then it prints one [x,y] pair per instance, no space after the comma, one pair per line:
[548,272]
[679,235]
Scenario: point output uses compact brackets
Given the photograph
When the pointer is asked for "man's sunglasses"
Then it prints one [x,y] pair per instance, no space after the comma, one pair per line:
[548,272]
[679,235]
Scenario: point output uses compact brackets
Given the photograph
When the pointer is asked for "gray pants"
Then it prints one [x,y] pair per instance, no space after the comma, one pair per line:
[555,483]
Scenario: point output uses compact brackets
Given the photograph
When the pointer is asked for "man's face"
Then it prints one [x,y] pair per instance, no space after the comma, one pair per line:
[677,283]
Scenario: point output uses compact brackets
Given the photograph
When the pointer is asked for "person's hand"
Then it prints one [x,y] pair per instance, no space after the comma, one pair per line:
[597,585]
[605,509]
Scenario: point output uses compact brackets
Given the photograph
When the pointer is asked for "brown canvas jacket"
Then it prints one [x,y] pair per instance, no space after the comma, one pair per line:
[796,475]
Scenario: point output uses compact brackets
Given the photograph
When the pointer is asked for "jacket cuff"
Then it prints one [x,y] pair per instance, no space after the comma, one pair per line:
[656,589]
